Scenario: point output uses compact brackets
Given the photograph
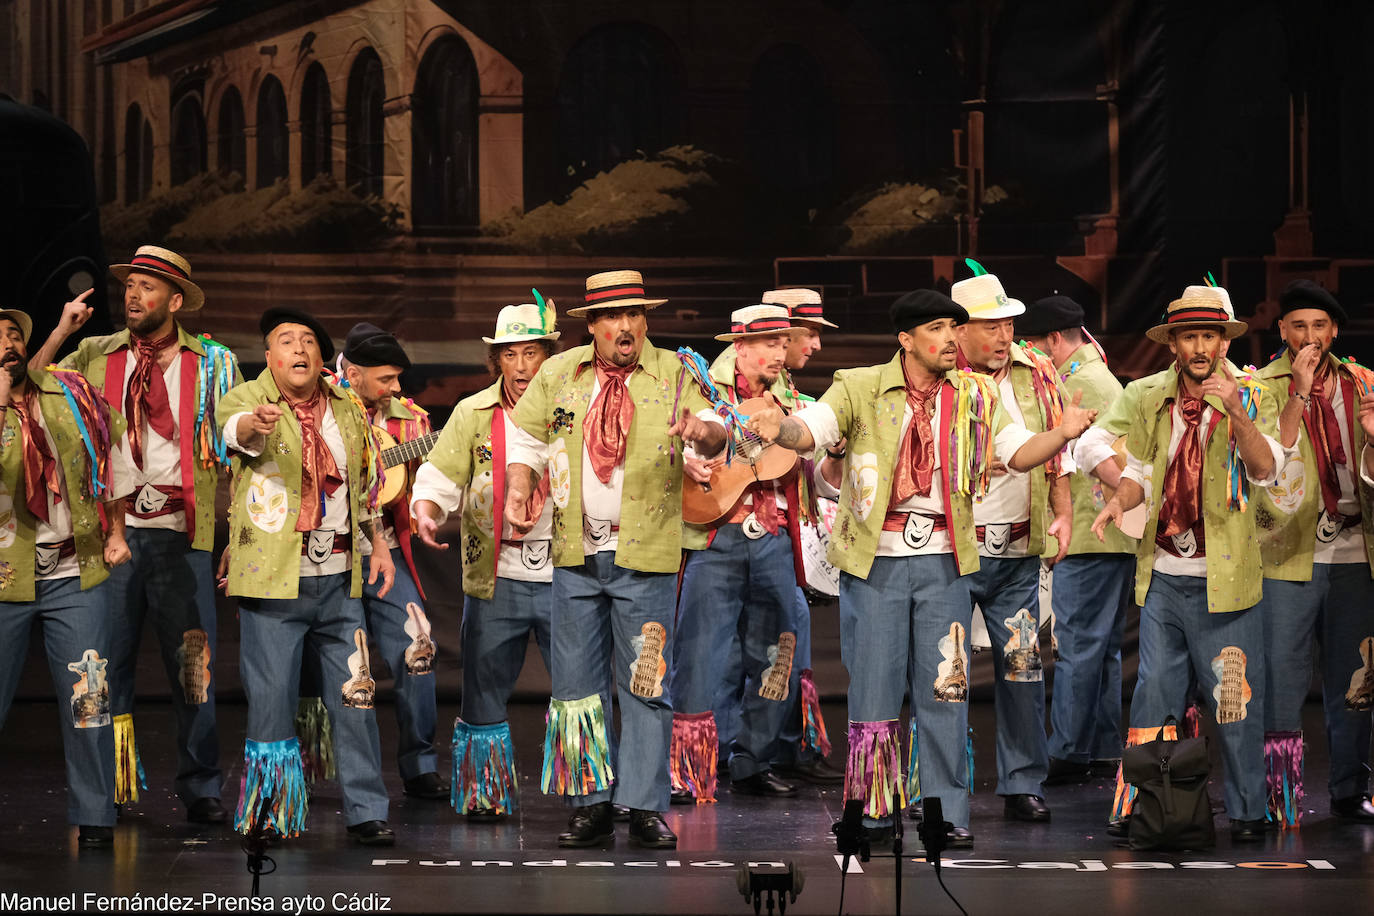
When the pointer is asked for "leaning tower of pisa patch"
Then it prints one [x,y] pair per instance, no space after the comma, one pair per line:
[646,674]
[1232,692]
[779,670]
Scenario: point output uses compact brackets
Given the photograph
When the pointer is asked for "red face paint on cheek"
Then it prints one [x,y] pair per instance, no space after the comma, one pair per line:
[281,364]
[762,361]
[987,349]
[607,335]
[932,350]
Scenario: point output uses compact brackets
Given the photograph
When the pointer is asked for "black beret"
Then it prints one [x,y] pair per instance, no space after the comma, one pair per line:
[1053,313]
[921,306]
[1304,294]
[276,316]
[369,345]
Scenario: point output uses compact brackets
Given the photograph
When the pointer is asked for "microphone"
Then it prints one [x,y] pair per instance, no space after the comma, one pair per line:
[933,830]
[850,837]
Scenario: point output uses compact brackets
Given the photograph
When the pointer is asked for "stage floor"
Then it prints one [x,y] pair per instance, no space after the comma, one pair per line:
[442,864]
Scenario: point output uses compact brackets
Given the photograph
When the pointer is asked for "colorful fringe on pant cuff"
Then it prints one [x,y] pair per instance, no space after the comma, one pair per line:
[1125,794]
[317,738]
[874,771]
[577,754]
[1192,722]
[693,755]
[128,768]
[1283,774]
[813,733]
[483,768]
[913,766]
[273,777]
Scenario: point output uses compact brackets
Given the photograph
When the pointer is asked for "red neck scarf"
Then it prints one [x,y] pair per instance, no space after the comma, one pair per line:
[40,470]
[1182,505]
[765,492]
[146,401]
[607,424]
[319,473]
[916,454]
[1325,433]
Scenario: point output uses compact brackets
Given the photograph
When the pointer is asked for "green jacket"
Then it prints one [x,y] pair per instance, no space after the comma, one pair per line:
[1142,415]
[1034,419]
[869,403]
[92,359]
[1287,512]
[18,527]
[552,410]
[1084,371]
[264,546]
[465,455]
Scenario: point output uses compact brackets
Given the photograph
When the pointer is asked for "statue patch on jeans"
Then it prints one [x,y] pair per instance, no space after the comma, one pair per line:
[1360,696]
[1021,654]
[420,653]
[1232,692]
[649,668]
[193,666]
[951,677]
[774,685]
[91,694]
[359,689]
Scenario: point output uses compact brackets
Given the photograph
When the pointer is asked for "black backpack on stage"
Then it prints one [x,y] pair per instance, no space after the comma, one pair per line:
[1171,809]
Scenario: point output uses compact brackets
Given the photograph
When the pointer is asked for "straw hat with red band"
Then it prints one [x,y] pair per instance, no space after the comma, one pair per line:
[758,321]
[804,304]
[168,265]
[1199,307]
[615,289]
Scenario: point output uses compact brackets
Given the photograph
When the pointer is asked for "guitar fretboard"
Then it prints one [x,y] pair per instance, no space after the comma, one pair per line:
[409,450]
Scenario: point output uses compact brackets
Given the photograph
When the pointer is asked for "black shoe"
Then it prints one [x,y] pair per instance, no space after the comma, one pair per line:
[648,829]
[1248,831]
[763,783]
[373,833]
[427,785]
[817,771]
[619,813]
[1066,772]
[95,837]
[958,838]
[879,837]
[207,810]
[1354,808]
[915,812]
[590,825]
[680,797]
[1025,808]
[1120,826]
[483,816]
[1104,767]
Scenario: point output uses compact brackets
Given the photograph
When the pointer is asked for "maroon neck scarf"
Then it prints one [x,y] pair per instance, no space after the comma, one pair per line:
[606,427]
[916,454]
[1325,433]
[319,473]
[40,469]
[146,401]
[1182,505]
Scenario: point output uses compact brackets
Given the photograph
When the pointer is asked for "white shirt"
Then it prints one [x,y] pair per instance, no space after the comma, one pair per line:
[517,561]
[161,457]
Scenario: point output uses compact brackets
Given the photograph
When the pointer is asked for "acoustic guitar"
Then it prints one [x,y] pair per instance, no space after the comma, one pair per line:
[395,455]
[753,461]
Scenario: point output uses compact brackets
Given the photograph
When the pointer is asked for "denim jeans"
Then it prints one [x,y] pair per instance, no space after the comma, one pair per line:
[748,587]
[274,636]
[604,618]
[906,625]
[415,708]
[496,633]
[76,636]
[1008,589]
[171,587]
[1180,641]
[1337,605]
[1090,597]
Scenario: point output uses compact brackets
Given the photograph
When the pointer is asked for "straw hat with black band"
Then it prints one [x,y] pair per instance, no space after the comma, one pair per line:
[1199,307]
[615,289]
[170,266]
[804,304]
[758,321]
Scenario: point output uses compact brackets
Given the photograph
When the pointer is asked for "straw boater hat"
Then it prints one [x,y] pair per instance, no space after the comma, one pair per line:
[1199,306]
[804,304]
[168,265]
[615,289]
[20,318]
[526,323]
[758,321]
[983,297]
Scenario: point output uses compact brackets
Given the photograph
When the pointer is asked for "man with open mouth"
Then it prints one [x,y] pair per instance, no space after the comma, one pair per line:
[607,423]
[507,578]
[304,489]
[63,454]
[1198,619]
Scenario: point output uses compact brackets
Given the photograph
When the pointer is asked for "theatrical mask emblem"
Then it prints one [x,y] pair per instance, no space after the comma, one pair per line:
[917,530]
[863,483]
[648,669]
[1185,543]
[752,528]
[483,496]
[150,499]
[560,474]
[359,689]
[996,538]
[319,545]
[193,665]
[1232,691]
[774,683]
[265,499]
[1360,696]
[1288,491]
[421,651]
[951,677]
[1021,654]
[1328,526]
[91,694]
[8,522]
[45,560]
[534,554]
[597,531]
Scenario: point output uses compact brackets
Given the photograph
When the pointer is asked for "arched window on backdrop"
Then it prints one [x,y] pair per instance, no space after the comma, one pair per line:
[188,137]
[233,148]
[273,145]
[444,140]
[364,157]
[317,156]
